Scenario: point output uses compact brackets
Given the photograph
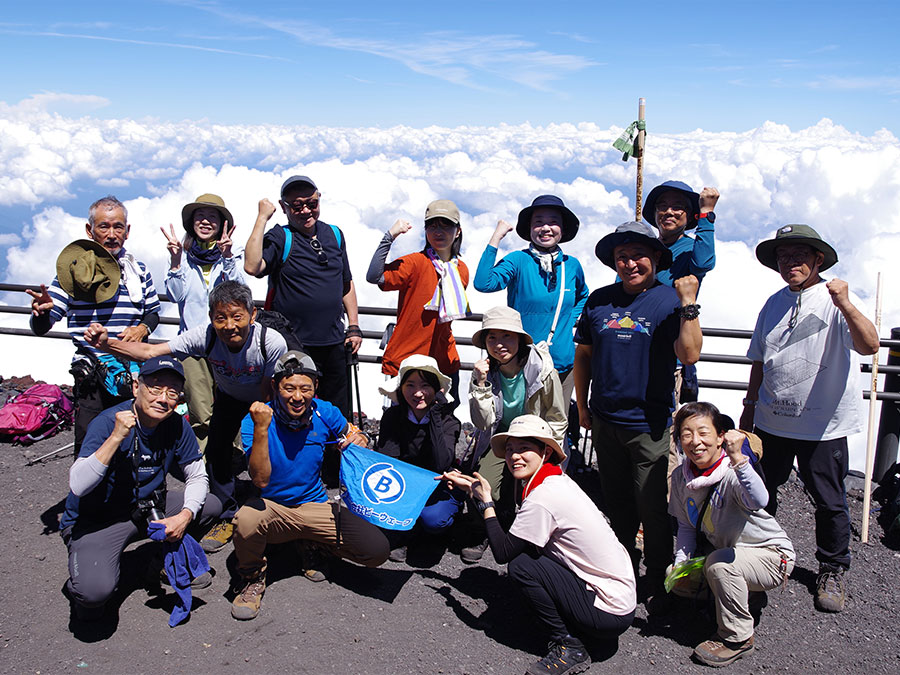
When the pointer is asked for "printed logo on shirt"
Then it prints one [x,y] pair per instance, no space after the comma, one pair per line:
[624,326]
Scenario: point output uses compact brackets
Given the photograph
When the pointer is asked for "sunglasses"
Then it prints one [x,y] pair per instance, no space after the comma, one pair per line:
[299,205]
[321,256]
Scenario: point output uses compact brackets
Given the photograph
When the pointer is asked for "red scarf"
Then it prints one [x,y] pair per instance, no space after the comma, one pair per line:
[538,478]
[708,470]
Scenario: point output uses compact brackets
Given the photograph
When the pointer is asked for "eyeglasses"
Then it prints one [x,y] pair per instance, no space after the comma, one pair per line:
[300,204]
[321,256]
[795,257]
[172,395]
[675,208]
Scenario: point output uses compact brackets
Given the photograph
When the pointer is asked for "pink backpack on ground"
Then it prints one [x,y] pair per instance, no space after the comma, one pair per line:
[37,413]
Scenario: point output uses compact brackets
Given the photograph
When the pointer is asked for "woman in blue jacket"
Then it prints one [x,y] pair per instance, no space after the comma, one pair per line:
[542,283]
[197,264]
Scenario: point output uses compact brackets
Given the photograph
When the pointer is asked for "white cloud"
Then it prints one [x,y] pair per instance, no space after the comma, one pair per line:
[846,185]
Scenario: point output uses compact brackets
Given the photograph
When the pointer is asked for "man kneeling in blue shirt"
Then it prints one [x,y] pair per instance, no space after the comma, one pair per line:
[285,440]
[118,484]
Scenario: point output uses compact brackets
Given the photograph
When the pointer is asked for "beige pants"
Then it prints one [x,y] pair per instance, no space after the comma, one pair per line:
[731,574]
[261,521]
[199,388]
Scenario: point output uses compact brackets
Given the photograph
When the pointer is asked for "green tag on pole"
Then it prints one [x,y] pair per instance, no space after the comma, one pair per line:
[625,142]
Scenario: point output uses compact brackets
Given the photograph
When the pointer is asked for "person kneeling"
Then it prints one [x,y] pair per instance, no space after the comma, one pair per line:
[118,485]
[562,554]
[285,440]
[718,499]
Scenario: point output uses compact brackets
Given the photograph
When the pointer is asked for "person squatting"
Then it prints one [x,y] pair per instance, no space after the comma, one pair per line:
[267,392]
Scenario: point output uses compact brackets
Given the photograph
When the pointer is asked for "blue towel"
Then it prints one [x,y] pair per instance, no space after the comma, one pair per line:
[185,560]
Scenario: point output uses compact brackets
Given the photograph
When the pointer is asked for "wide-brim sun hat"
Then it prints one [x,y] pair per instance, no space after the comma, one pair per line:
[795,234]
[500,318]
[528,426]
[210,200]
[569,220]
[87,271]
[649,210]
[415,362]
[632,232]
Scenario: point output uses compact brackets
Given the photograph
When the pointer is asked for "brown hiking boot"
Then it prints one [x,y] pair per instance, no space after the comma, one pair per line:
[217,537]
[717,652]
[831,590]
[246,603]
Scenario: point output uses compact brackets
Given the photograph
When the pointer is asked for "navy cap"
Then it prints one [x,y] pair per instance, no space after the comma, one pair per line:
[297,179]
[160,363]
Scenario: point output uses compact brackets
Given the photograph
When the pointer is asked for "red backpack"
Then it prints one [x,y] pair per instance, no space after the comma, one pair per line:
[37,413]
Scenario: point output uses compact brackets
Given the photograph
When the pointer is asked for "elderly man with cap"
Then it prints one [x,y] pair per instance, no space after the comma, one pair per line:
[118,484]
[211,259]
[628,336]
[804,392]
[309,282]
[285,441]
[432,292]
[542,283]
[97,280]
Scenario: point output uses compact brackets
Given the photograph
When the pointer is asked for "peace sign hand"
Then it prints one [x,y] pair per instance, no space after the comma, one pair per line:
[174,245]
[224,242]
[41,303]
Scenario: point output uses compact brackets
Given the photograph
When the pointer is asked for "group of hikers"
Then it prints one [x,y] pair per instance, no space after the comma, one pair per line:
[277,396]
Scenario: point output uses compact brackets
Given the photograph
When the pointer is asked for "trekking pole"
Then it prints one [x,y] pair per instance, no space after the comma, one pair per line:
[358,396]
[639,155]
[870,439]
[49,454]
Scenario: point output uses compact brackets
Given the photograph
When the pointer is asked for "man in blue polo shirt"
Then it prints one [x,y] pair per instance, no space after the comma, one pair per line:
[309,282]
[285,440]
[629,336]
[118,483]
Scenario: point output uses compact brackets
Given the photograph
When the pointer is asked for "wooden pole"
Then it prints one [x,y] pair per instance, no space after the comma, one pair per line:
[870,440]
[639,155]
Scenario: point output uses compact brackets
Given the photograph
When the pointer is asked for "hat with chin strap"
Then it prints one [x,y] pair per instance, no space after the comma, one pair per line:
[88,272]
[207,200]
[649,210]
[795,234]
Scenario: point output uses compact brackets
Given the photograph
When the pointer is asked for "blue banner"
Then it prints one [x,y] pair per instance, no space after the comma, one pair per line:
[383,490]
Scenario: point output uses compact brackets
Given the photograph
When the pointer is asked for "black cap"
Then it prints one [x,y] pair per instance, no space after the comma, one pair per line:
[297,179]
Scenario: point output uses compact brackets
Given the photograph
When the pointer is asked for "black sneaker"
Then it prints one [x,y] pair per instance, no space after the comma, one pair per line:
[398,554]
[472,554]
[831,589]
[566,656]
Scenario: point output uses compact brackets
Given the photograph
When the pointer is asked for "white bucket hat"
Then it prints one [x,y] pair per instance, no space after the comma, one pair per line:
[528,426]
[500,318]
[415,362]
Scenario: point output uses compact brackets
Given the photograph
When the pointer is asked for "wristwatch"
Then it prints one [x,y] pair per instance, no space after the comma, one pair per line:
[709,215]
[750,402]
[484,506]
[689,312]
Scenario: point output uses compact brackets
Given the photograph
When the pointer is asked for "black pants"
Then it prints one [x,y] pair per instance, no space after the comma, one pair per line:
[227,415]
[334,386]
[823,467]
[90,402]
[562,601]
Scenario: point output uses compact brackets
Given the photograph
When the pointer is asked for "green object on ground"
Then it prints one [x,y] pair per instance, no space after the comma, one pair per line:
[681,570]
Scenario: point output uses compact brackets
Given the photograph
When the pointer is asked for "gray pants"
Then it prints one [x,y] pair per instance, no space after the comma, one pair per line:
[95,551]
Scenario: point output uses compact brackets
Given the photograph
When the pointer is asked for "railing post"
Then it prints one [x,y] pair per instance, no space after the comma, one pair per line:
[889,424]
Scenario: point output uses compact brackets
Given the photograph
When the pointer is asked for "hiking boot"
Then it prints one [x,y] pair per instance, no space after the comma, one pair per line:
[313,561]
[197,583]
[245,605]
[831,590]
[472,554]
[217,537]
[717,652]
[398,554]
[568,655]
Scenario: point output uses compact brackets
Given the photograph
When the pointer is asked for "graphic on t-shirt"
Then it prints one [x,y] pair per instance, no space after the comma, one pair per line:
[624,325]
[810,325]
[788,375]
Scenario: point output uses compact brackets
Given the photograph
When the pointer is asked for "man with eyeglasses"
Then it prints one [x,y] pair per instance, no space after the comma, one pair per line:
[118,485]
[804,392]
[242,355]
[309,282]
[98,280]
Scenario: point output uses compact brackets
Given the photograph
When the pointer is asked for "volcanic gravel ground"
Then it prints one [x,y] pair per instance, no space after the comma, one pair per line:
[433,615]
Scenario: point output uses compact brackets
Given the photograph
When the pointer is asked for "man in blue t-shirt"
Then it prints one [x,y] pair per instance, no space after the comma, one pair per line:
[118,484]
[285,440]
[629,336]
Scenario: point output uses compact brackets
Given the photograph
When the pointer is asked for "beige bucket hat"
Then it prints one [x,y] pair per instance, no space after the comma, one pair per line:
[500,318]
[528,426]
[209,199]
[415,362]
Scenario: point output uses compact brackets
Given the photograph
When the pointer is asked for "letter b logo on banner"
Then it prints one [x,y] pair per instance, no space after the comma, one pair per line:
[383,484]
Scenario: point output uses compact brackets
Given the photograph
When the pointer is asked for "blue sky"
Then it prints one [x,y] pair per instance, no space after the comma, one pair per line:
[724,66]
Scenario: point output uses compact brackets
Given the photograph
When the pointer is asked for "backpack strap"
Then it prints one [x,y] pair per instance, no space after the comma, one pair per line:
[262,344]
[210,339]
[337,235]
[288,242]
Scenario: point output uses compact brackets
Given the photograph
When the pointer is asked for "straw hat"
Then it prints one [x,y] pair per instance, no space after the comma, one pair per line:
[500,318]
[528,426]
[88,272]
[415,362]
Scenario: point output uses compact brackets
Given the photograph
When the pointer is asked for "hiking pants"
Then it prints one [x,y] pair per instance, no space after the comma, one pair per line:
[563,603]
[823,467]
[227,415]
[334,386]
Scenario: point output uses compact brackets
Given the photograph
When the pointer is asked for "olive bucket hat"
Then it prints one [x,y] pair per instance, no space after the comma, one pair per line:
[214,201]
[795,234]
[87,271]
[569,220]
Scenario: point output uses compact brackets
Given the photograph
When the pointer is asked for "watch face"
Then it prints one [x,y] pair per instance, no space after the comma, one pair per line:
[711,217]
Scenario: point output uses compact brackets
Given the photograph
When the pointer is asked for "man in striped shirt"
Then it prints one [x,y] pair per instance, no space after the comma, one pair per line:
[130,315]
